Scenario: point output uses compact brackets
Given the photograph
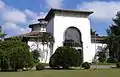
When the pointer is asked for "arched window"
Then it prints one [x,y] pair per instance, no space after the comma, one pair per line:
[72,37]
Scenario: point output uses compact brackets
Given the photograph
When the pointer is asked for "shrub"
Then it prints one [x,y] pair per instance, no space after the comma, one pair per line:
[102,57]
[64,57]
[118,65]
[111,60]
[36,55]
[86,65]
[40,66]
[14,55]
[21,58]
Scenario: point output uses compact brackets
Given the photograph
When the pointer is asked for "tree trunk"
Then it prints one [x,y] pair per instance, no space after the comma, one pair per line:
[117,51]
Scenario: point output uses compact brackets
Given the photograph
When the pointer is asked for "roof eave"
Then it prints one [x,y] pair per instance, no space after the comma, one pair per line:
[52,12]
[31,25]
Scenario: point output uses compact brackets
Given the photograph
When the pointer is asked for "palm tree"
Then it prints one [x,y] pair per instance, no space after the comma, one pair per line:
[92,32]
[2,35]
[46,38]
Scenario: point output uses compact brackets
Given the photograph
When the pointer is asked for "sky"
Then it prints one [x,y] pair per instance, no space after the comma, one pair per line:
[16,15]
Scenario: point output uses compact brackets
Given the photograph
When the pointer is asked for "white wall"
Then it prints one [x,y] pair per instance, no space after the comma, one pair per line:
[63,21]
[45,55]
[98,47]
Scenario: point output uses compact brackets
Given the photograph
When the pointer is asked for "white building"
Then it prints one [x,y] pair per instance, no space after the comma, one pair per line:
[68,27]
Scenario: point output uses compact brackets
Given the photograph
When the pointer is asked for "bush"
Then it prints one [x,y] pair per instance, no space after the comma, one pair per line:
[86,65]
[112,60]
[118,65]
[20,58]
[64,57]
[36,55]
[40,66]
[14,55]
[102,57]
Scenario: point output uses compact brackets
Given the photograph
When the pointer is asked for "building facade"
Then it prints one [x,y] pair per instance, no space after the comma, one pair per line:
[69,28]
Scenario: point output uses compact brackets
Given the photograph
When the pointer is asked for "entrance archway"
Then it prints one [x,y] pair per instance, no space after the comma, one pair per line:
[73,38]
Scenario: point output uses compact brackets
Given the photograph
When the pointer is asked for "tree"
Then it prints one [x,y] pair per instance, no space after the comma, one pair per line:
[92,32]
[102,54]
[46,38]
[113,38]
[110,40]
[20,57]
[15,55]
[2,35]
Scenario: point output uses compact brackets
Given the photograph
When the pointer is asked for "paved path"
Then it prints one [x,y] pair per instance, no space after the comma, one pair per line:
[92,67]
[103,66]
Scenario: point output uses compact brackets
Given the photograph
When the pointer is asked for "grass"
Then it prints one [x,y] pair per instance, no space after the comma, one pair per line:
[65,73]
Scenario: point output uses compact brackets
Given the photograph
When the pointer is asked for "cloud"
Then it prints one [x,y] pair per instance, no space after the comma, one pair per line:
[54,3]
[14,16]
[1,4]
[16,21]
[14,29]
[102,10]
[42,14]
[33,17]
[30,14]
[11,14]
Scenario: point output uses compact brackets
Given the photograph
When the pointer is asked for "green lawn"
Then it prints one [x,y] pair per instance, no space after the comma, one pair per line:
[64,73]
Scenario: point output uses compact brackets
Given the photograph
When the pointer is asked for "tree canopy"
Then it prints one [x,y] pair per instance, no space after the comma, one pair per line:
[2,35]
[15,54]
[113,38]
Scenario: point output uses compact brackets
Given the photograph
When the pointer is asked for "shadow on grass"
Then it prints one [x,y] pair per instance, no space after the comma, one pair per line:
[115,68]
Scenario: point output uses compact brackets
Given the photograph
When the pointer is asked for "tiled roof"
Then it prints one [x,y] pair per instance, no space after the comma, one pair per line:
[99,39]
[35,34]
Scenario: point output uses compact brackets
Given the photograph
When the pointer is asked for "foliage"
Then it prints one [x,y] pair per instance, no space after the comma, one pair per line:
[20,58]
[118,65]
[111,60]
[86,65]
[93,33]
[102,55]
[36,55]
[65,57]
[46,38]
[2,35]
[15,55]
[40,66]
[113,38]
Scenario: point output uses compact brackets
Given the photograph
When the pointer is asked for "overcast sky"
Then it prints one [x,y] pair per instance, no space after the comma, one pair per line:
[16,15]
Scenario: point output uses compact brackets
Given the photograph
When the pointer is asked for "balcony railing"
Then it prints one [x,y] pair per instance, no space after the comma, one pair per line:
[71,43]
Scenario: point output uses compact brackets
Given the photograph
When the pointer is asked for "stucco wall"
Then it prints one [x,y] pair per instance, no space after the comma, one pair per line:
[96,47]
[45,55]
[63,21]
